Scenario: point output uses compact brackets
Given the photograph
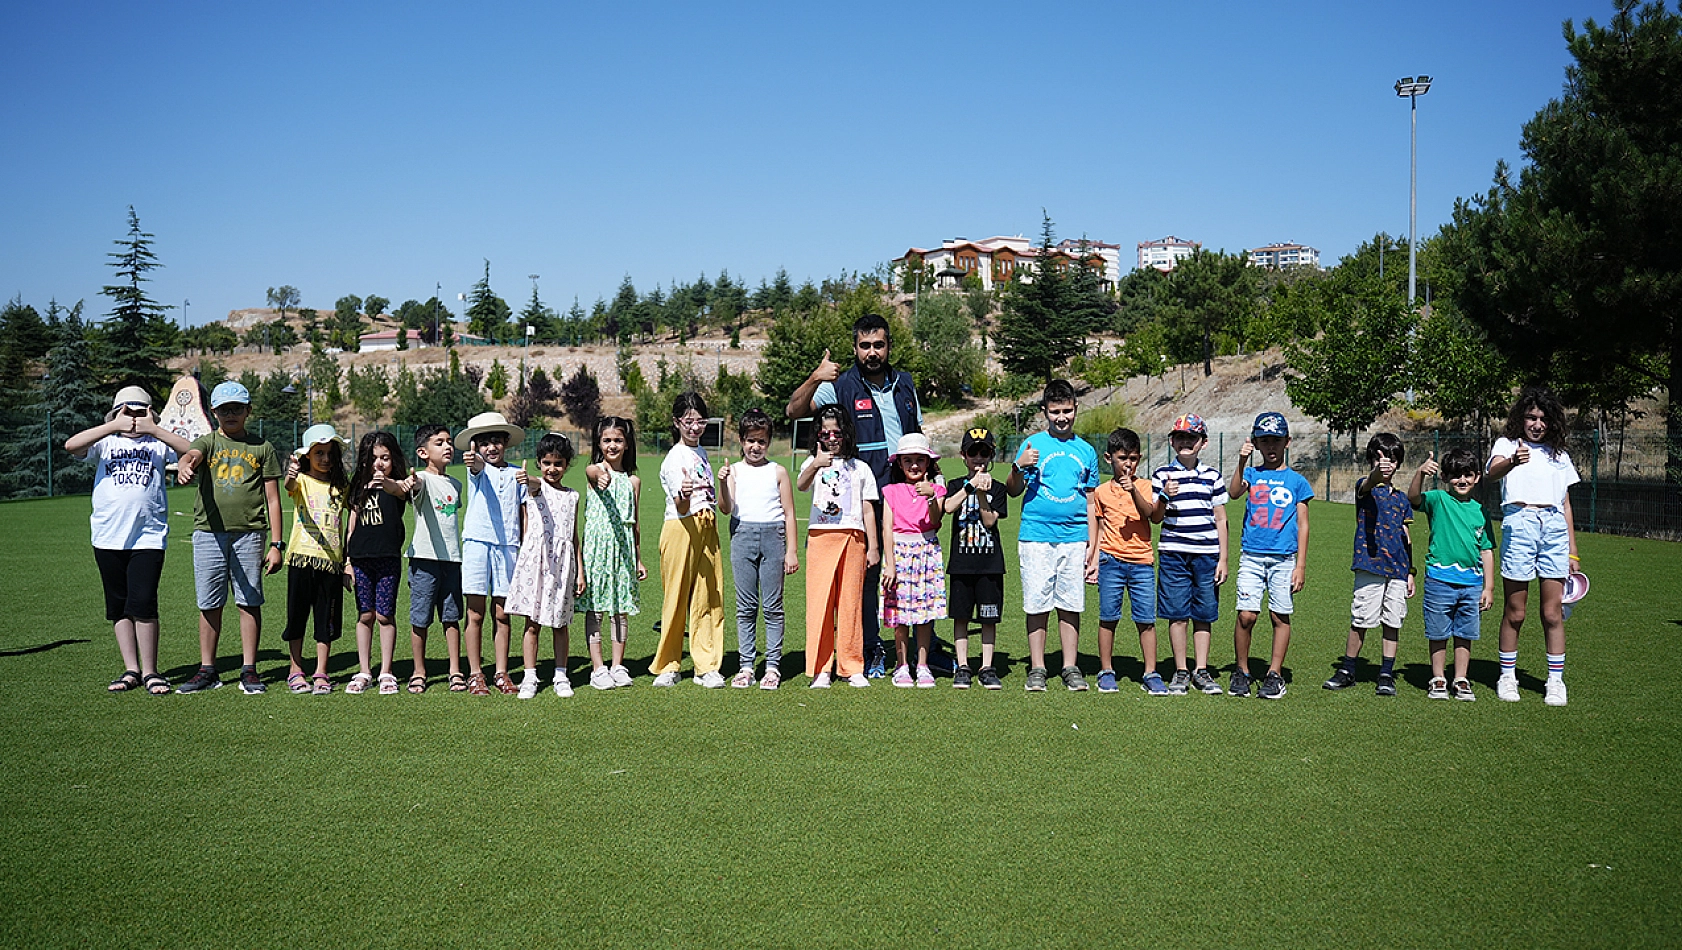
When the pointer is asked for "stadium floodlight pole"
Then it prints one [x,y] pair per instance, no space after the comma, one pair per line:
[1411,88]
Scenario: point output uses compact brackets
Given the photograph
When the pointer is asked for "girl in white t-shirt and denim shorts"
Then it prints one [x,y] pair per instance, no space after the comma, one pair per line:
[1538,537]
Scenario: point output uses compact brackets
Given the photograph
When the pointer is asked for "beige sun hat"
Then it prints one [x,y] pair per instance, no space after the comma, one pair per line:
[488,422]
[914,443]
[130,395]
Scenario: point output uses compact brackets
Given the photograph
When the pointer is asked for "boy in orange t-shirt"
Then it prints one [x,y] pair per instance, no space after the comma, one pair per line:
[1121,561]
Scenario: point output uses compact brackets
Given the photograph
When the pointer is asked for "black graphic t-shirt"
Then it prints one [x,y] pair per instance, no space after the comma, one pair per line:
[379,527]
[975,547]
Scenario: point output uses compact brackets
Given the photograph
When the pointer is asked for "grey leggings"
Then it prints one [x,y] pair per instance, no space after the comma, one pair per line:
[756,560]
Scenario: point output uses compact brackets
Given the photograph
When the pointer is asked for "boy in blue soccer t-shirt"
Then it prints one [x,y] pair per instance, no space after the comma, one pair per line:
[1272,550]
[1056,470]
[1382,562]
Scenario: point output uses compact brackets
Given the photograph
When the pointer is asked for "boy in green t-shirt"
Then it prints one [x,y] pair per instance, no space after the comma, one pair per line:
[238,501]
[1459,568]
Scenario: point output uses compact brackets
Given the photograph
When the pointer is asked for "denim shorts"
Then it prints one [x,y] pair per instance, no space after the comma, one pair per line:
[487,569]
[434,589]
[1185,587]
[221,558]
[1117,577]
[1270,573]
[1451,610]
[1534,543]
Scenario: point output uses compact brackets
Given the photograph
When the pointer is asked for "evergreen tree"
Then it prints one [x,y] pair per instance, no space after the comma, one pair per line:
[487,314]
[1208,297]
[1572,270]
[65,402]
[135,348]
[1040,329]
[582,397]
[497,380]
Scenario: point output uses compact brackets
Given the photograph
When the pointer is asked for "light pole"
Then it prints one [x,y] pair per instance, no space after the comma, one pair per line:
[185,303]
[1411,88]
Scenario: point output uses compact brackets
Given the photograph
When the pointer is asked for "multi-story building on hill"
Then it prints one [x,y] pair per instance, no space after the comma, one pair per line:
[998,260]
[1281,256]
[1166,253]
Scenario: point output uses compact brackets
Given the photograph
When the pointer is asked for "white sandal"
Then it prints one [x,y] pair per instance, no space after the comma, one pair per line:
[388,684]
[358,683]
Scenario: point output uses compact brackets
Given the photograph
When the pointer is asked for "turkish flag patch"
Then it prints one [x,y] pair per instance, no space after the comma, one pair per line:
[863,405]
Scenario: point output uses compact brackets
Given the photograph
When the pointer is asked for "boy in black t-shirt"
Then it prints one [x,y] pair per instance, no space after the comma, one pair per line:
[977,565]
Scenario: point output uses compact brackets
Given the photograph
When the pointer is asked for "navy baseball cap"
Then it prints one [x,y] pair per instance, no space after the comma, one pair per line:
[1270,423]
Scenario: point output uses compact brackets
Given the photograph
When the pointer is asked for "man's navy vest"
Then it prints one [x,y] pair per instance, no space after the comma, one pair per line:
[854,395]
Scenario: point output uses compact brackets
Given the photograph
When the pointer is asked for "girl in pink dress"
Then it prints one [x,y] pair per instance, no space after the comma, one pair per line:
[913,572]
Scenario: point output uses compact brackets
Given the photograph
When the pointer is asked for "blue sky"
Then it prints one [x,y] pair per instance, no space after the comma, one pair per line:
[385,148]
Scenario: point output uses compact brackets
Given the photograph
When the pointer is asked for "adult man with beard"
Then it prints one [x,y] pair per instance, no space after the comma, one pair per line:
[882,402]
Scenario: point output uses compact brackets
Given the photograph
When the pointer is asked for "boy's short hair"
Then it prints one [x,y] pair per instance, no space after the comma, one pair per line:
[1458,462]
[1385,444]
[1058,390]
[1123,440]
[426,432]
[754,420]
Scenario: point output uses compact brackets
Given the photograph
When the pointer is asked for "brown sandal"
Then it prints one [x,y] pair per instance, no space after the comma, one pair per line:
[476,685]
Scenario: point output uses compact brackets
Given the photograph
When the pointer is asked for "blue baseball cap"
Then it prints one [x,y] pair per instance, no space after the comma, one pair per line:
[1270,423]
[229,391]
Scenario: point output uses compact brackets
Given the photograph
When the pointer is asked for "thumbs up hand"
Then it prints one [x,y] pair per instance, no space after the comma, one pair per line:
[827,370]
[1429,466]
[522,477]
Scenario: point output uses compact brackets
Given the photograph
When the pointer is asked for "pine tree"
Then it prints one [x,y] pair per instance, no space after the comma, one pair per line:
[65,402]
[135,348]
[1039,329]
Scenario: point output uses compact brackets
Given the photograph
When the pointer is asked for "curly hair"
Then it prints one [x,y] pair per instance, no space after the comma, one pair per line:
[1553,416]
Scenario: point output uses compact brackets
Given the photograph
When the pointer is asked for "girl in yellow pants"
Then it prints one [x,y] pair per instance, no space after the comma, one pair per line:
[691,572]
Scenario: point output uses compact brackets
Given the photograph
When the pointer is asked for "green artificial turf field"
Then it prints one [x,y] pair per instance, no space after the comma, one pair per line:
[879,817]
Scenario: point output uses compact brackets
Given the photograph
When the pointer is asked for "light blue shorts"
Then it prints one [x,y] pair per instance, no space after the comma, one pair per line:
[1534,543]
[1451,610]
[1265,573]
[487,569]
[221,558]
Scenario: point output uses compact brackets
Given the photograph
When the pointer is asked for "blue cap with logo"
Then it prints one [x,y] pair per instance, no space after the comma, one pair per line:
[227,392]
[1270,423]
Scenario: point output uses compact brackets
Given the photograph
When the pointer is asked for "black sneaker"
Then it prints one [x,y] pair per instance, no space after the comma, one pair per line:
[1072,680]
[1386,685]
[1272,687]
[1036,680]
[1238,684]
[990,678]
[960,678]
[200,681]
[250,684]
[1342,679]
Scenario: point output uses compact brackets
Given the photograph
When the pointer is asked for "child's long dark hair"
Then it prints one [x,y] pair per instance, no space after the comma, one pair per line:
[336,478]
[847,449]
[628,460]
[365,464]
[1553,414]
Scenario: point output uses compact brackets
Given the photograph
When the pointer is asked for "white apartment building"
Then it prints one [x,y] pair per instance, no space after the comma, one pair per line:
[1165,254]
[1002,258]
[1281,256]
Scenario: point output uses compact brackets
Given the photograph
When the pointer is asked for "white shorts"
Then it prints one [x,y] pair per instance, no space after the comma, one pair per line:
[487,569]
[1053,576]
[1379,601]
[1269,573]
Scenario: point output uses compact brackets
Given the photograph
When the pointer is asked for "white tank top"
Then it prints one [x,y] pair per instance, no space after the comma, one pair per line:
[758,500]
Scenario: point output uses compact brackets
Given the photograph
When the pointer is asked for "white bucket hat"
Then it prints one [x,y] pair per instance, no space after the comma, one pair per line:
[488,422]
[130,396]
[914,443]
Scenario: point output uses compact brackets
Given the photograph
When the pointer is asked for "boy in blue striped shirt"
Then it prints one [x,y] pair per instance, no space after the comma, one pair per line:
[1191,551]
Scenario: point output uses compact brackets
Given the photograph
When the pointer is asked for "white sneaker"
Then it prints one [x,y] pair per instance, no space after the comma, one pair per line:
[711,680]
[1506,688]
[666,679]
[1554,694]
[821,681]
[529,686]
[563,685]
[621,676]
[602,678]
[858,680]
[772,679]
